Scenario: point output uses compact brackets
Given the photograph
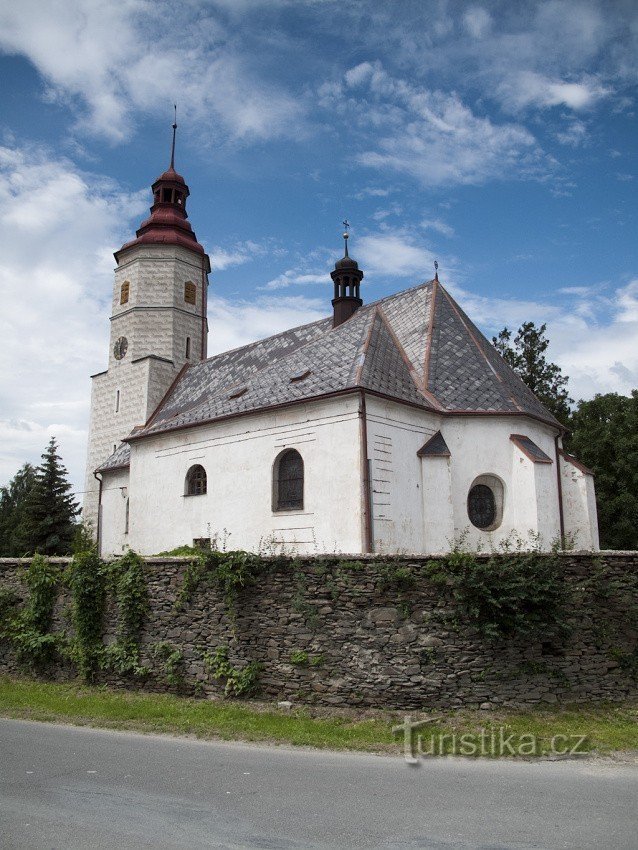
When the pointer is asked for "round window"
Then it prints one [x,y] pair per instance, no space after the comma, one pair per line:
[485,502]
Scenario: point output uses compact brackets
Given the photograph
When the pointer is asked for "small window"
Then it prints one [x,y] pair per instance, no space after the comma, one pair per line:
[117,401]
[166,195]
[190,292]
[288,482]
[126,517]
[301,376]
[124,292]
[188,348]
[485,502]
[196,481]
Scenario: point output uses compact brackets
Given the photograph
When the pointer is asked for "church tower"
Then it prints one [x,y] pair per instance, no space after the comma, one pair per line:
[158,324]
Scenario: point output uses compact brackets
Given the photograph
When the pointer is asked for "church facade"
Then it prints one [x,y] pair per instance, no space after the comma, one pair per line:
[389,427]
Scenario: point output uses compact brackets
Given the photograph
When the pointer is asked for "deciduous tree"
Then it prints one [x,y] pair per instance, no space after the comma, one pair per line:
[605,438]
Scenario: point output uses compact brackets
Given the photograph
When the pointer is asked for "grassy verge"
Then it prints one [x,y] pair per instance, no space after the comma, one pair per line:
[606,729]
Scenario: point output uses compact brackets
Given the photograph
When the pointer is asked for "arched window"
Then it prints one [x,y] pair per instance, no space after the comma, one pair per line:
[190,292]
[485,502]
[288,482]
[124,292]
[196,481]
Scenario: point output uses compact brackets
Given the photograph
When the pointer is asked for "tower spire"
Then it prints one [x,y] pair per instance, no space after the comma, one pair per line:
[346,226]
[174,133]
[347,277]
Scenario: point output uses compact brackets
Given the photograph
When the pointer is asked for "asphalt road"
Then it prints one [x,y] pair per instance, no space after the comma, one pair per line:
[66,787]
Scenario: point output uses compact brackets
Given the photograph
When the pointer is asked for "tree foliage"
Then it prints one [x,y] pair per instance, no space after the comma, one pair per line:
[51,507]
[605,438]
[14,500]
[526,356]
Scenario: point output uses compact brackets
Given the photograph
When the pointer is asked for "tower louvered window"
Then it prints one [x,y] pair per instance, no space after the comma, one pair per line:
[124,292]
[190,292]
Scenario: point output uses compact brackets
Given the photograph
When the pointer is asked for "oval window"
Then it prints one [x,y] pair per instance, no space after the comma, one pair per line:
[485,502]
[481,506]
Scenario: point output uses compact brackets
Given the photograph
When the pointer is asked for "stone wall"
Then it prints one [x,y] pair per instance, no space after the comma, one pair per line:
[368,643]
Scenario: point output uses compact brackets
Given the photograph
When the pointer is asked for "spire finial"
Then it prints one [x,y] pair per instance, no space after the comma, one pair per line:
[174,132]
[346,225]
[436,270]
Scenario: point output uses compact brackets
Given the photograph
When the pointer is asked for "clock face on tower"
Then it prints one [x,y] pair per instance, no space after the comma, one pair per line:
[120,347]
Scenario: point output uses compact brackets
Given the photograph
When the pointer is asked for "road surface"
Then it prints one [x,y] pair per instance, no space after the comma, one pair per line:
[66,787]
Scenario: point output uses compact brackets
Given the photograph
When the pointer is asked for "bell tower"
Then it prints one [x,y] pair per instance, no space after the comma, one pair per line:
[158,324]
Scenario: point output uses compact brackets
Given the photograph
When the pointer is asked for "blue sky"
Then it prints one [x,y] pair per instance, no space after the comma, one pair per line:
[499,138]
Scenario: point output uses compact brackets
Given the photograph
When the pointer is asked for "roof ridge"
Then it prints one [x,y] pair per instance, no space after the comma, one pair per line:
[366,346]
[461,316]
[428,344]
[430,397]
[469,325]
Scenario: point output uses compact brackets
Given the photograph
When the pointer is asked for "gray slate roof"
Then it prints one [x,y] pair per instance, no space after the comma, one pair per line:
[416,346]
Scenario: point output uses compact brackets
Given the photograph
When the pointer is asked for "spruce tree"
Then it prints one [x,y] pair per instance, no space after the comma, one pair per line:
[14,503]
[52,508]
[527,358]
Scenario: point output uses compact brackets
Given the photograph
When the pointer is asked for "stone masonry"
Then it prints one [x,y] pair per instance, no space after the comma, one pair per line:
[334,632]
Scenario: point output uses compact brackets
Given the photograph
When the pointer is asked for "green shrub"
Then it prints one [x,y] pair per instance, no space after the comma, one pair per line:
[238,682]
[518,595]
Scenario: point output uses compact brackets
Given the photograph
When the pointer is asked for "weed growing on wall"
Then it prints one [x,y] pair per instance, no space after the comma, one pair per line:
[237,682]
[128,581]
[511,595]
[231,571]
[87,581]
[29,629]
[172,660]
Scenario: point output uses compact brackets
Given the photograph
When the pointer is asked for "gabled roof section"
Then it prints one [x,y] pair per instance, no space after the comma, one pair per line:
[435,447]
[466,373]
[416,346]
[385,367]
[530,449]
[120,459]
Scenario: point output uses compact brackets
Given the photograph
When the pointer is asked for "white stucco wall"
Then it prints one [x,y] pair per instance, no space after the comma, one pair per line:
[420,504]
[115,494]
[579,506]
[238,456]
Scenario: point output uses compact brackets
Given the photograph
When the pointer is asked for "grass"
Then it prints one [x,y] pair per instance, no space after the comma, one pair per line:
[608,728]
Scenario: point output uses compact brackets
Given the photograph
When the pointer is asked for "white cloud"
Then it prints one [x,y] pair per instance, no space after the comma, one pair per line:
[116,59]
[237,323]
[437,225]
[430,135]
[477,21]
[393,254]
[292,277]
[574,134]
[58,227]
[530,88]
[242,252]
[592,338]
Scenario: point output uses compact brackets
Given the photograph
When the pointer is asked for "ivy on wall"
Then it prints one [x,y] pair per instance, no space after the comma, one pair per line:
[29,629]
[517,595]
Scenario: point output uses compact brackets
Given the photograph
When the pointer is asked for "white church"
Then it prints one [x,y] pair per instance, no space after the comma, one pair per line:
[388,427]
